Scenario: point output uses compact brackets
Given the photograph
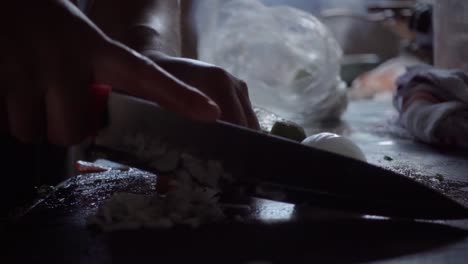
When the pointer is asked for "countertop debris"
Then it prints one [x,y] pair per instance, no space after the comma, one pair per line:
[388,158]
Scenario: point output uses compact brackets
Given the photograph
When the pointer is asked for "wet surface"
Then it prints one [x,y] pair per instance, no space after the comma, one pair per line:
[55,229]
[372,125]
[89,190]
[85,193]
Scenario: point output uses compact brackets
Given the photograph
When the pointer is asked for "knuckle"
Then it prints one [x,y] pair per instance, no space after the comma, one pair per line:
[243,88]
[217,71]
[227,81]
[220,75]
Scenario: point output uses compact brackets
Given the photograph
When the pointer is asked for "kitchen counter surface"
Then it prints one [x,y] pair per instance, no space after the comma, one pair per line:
[55,229]
[371,124]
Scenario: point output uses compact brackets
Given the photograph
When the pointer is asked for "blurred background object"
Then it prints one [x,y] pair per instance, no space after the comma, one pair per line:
[381,80]
[411,21]
[353,65]
[288,58]
[391,33]
[450,33]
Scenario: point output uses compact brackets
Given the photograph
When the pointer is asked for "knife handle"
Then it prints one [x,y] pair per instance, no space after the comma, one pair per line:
[98,104]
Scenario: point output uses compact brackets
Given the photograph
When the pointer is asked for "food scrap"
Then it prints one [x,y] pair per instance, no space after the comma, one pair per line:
[288,129]
[388,158]
[83,167]
[439,177]
[336,144]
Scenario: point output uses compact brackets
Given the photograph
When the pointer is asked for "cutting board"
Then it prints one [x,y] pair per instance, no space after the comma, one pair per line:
[55,231]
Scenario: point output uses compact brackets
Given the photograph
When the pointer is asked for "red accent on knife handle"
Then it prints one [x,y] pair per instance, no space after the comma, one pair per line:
[99,94]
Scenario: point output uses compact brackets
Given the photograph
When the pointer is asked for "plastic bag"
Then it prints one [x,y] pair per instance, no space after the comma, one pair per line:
[288,58]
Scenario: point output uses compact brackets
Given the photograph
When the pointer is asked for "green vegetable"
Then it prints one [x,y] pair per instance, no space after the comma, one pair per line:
[439,177]
[288,129]
[301,74]
[388,158]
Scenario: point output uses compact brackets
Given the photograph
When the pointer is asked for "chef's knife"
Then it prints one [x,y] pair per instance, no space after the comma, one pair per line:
[276,168]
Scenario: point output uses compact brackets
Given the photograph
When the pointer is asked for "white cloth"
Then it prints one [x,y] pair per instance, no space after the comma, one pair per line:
[433,105]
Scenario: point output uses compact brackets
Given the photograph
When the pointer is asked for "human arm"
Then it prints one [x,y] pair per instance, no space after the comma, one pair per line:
[53,52]
[153,28]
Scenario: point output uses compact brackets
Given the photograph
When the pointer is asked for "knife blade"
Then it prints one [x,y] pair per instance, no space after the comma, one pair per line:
[276,168]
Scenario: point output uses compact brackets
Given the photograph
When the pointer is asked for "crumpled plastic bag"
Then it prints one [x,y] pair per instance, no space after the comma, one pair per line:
[288,58]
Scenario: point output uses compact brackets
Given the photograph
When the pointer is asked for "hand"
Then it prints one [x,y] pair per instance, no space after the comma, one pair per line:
[228,92]
[51,54]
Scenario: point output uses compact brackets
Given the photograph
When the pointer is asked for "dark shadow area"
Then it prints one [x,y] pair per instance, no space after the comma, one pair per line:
[55,231]
[24,168]
[55,239]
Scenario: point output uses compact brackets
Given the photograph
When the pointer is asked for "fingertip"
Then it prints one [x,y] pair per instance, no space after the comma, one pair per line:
[206,111]
[213,111]
[128,71]
[253,123]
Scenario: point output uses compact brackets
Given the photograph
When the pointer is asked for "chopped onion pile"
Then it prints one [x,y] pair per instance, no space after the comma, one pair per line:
[188,190]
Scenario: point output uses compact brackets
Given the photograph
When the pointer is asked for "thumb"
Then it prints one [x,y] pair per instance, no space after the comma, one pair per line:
[130,72]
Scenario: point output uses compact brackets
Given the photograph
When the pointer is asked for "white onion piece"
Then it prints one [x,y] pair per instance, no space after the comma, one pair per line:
[337,144]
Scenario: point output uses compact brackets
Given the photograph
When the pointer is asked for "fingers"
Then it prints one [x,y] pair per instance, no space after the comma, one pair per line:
[220,87]
[228,92]
[69,111]
[67,99]
[66,116]
[232,110]
[22,108]
[25,115]
[232,96]
[243,94]
[130,72]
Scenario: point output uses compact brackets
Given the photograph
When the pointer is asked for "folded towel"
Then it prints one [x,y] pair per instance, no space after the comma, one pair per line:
[433,105]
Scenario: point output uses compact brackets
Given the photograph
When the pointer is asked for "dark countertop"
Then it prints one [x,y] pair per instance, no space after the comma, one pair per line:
[371,124]
[55,231]
[324,236]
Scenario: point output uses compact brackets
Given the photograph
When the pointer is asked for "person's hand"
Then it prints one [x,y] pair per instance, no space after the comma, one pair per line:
[228,92]
[52,53]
